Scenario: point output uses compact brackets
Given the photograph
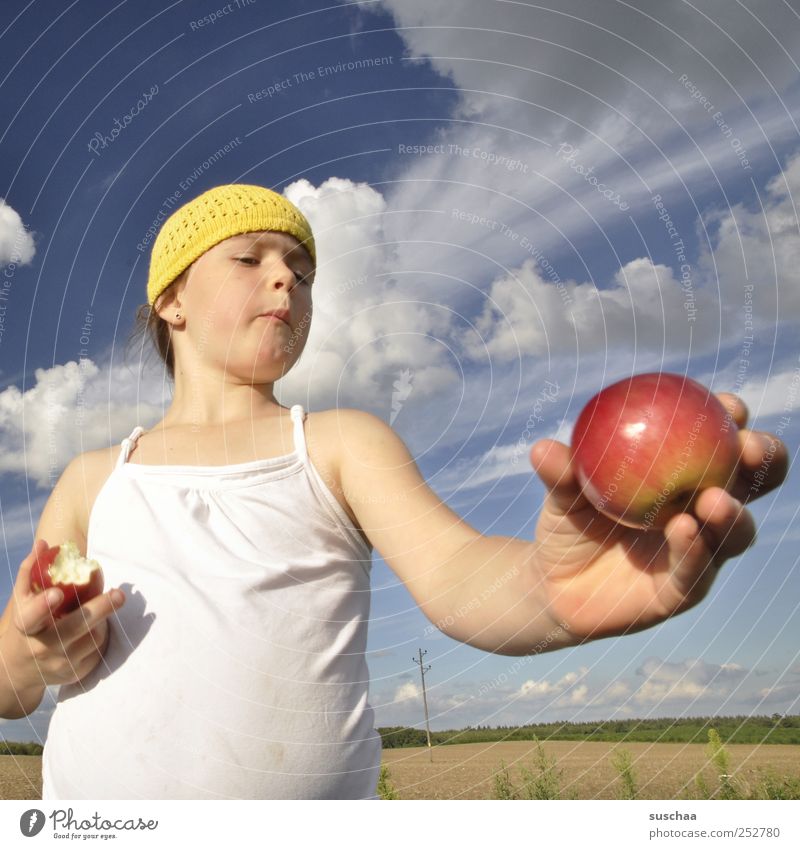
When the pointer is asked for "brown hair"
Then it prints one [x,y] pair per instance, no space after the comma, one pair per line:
[148,323]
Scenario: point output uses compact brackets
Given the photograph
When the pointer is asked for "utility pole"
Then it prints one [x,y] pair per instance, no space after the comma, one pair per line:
[422,671]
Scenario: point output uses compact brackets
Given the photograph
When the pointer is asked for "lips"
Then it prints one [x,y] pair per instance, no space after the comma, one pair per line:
[283,315]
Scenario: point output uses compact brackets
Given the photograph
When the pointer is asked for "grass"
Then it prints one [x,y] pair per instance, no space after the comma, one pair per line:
[543,780]
[386,789]
[623,764]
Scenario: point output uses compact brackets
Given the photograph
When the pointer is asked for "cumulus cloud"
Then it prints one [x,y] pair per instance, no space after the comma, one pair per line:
[561,62]
[693,679]
[365,335]
[569,690]
[692,687]
[758,246]
[377,342]
[610,81]
[71,408]
[643,307]
[16,243]
[407,692]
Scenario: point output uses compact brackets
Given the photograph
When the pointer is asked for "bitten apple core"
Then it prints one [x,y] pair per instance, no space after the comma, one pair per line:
[64,567]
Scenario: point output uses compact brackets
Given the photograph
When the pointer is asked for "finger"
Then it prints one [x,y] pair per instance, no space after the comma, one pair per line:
[690,561]
[22,586]
[763,464]
[79,622]
[728,528]
[735,406]
[551,461]
[89,645]
[34,615]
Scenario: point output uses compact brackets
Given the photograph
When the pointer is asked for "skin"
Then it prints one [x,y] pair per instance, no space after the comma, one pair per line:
[605,579]
[218,300]
[594,576]
[227,361]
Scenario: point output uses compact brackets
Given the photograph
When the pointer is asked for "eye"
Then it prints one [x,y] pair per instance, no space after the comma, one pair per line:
[302,277]
[246,259]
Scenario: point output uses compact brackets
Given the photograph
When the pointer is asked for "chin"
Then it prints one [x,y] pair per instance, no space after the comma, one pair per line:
[265,371]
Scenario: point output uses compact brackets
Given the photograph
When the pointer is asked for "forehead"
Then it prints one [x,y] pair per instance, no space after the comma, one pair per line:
[266,238]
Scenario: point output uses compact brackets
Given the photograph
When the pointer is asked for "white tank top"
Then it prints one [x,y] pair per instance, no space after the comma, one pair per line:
[236,668]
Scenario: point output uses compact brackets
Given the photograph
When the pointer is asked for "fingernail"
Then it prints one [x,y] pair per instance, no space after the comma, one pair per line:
[53,596]
[117,597]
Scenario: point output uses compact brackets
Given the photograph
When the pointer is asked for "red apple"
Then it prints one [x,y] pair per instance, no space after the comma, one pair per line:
[643,448]
[64,567]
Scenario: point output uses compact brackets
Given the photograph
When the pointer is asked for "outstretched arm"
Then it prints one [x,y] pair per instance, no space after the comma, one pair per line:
[583,576]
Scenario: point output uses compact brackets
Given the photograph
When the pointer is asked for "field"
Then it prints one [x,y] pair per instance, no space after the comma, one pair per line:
[20,777]
[662,770]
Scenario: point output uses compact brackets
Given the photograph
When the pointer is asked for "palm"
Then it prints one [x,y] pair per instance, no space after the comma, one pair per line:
[601,578]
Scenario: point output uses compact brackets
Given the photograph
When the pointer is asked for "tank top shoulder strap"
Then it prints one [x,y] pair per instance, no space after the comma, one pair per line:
[127,444]
[298,414]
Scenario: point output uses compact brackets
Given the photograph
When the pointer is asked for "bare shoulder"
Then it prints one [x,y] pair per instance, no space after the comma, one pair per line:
[350,421]
[66,512]
[351,432]
[98,462]
[333,438]
[415,532]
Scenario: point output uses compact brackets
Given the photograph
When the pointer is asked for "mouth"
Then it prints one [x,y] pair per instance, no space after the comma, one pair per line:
[276,317]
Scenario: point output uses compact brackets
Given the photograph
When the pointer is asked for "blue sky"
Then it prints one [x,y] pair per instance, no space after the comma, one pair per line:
[484,181]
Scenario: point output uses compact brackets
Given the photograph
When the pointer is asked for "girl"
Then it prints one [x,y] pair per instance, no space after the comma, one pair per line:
[236,666]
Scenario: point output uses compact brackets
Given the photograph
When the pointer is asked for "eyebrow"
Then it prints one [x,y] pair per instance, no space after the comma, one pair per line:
[259,240]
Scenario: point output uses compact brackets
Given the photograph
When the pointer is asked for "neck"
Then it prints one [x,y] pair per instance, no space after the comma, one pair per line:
[197,403]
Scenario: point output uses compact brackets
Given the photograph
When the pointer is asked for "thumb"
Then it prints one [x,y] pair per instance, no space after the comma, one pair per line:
[40,550]
[551,461]
[34,615]
[33,611]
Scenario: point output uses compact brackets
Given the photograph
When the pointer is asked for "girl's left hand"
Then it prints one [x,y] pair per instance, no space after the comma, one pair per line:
[603,579]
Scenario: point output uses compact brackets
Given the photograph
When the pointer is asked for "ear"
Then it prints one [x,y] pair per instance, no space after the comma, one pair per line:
[168,303]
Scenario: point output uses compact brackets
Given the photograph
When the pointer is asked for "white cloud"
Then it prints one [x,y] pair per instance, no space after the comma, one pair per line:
[615,693]
[524,314]
[407,692]
[573,57]
[569,689]
[71,408]
[757,245]
[691,680]
[604,77]
[772,395]
[373,329]
[692,687]
[363,334]
[16,243]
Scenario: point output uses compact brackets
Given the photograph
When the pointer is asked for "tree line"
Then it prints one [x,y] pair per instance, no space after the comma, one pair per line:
[776,728]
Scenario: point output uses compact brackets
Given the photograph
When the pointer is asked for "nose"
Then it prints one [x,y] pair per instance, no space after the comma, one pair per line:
[280,274]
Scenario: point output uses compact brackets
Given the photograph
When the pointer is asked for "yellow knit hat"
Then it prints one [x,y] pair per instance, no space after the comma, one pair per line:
[215,215]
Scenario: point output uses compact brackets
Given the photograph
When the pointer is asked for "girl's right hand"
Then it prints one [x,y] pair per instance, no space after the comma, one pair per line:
[39,650]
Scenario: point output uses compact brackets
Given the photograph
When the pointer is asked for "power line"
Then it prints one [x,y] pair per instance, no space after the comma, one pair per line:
[422,671]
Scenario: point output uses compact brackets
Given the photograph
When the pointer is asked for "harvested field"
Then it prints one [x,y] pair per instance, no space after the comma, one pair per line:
[662,770]
[20,777]
[465,771]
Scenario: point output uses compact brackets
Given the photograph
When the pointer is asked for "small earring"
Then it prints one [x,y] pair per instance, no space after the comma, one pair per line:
[177,315]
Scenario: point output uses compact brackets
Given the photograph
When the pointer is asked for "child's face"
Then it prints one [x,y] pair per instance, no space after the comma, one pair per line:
[224,295]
